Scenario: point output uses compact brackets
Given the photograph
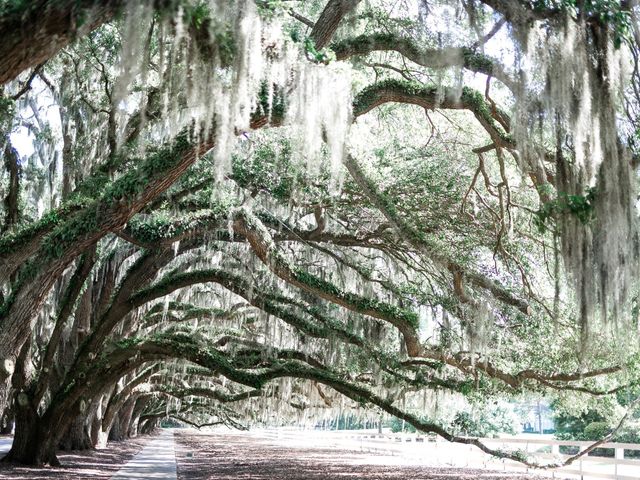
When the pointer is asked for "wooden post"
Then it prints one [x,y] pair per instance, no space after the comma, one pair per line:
[619,456]
[581,473]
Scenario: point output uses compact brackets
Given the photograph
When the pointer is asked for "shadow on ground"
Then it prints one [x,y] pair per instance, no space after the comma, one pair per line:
[224,457]
[85,465]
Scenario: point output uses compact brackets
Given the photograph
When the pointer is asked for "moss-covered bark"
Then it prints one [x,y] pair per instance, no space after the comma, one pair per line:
[464,57]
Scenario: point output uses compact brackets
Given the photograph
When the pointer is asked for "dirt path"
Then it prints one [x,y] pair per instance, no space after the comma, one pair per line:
[85,465]
[218,456]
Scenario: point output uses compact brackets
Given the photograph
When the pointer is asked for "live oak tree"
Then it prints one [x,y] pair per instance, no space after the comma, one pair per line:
[222,212]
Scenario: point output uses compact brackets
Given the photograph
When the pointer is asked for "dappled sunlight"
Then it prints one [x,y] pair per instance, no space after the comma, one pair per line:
[223,456]
[99,464]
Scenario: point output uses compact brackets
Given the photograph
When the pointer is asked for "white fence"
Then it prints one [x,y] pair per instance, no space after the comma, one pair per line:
[424,450]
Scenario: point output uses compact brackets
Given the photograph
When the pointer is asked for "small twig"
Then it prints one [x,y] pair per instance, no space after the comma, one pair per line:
[301,18]
[390,67]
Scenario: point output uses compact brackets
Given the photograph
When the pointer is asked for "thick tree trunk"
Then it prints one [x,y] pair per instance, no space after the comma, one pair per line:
[330,19]
[133,427]
[148,426]
[138,408]
[5,390]
[121,426]
[102,438]
[94,433]
[12,200]
[33,443]
[35,32]
[77,436]
[93,420]
[6,426]
[116,433]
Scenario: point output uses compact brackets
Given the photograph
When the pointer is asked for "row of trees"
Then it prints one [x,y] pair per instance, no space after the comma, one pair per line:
[213,209]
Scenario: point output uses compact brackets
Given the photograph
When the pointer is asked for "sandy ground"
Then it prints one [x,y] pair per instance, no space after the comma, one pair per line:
[224,457]
[220,456]
[85,465]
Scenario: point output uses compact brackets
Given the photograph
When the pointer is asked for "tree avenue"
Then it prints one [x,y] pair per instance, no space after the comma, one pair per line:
[252,212]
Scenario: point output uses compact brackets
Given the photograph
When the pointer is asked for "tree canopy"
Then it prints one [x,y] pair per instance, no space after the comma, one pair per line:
[254,211]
